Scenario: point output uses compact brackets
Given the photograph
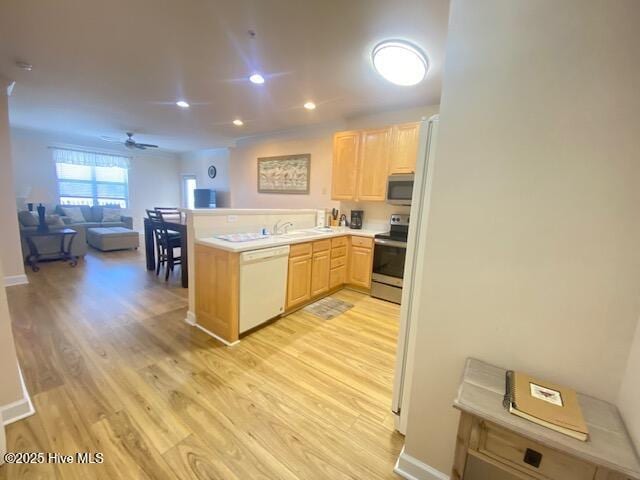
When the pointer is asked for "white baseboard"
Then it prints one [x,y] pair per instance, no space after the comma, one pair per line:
[12,280]
[191,320]
[220,339]
[413,469]
[19,409]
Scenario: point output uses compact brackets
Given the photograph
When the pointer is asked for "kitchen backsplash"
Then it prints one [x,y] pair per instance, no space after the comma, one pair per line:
[376,214]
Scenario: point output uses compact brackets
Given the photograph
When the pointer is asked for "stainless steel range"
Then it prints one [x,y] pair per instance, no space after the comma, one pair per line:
[388,260]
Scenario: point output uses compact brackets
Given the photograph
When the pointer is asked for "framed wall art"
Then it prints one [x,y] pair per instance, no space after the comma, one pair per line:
[284,174]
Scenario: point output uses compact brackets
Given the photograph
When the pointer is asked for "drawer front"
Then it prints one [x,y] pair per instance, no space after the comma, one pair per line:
[362,242]
[338,242]
[339,252]
[478,469]
[321,245]
[604,474]
[299,250]
[529,456]
[338,262]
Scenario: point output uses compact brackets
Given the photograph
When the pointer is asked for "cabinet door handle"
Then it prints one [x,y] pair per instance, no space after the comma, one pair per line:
[533,458]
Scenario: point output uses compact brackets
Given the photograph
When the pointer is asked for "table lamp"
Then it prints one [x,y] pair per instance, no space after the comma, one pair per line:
[37,195]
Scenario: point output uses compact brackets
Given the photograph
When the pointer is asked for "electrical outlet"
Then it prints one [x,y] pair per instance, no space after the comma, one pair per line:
[232,218]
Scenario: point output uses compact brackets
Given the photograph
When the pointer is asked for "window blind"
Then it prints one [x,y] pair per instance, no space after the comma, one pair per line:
[88,178]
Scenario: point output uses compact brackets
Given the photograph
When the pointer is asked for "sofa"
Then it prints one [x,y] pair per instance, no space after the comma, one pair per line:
[57,219]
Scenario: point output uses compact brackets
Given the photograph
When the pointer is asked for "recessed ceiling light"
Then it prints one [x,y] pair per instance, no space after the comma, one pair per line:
[310,106]
[400,62]
[257,79]
[238,123]
[182,104]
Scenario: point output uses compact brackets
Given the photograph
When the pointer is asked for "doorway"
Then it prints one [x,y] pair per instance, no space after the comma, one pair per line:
[189,184]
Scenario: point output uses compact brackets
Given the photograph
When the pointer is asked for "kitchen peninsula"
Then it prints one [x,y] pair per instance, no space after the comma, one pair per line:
[289,269]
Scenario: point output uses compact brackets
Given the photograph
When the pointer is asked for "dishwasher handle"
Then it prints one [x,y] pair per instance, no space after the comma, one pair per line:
[264,254]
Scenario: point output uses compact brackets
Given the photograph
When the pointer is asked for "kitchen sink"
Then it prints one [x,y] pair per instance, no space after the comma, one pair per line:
[298,234]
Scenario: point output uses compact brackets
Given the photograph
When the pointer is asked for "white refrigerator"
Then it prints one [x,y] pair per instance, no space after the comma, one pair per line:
[412,281]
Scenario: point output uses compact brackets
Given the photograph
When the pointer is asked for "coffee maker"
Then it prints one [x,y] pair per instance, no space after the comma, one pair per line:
[356,219]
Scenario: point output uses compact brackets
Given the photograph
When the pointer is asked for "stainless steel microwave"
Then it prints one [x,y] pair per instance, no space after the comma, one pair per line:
[400,189]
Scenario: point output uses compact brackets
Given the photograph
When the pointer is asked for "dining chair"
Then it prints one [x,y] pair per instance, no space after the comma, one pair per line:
[170,213]
[166,243]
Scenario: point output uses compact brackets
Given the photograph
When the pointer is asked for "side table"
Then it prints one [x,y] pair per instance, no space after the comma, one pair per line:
[64,250]
[493,444]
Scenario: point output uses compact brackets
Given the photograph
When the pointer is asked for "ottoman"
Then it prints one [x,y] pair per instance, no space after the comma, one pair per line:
[112,238]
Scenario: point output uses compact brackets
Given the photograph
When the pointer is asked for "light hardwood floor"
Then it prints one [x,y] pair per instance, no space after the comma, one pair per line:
[112,367]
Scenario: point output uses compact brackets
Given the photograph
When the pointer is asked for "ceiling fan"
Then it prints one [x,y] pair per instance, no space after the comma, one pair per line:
[130,142]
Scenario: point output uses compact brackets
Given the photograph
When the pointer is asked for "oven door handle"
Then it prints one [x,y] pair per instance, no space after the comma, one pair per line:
[390,243]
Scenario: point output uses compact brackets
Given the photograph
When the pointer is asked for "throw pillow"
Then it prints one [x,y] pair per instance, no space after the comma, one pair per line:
[53,220]
[27,219]
[96,213]
[111,214]
[74,213]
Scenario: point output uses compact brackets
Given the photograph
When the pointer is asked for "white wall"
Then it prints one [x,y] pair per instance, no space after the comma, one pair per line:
[10,388]
[197,163]
[244,171]
[10,251]
[391,117]
[154,177]
[629,397]
[532,258]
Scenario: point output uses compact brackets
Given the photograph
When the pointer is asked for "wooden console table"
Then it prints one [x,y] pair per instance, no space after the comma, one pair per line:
[493,444]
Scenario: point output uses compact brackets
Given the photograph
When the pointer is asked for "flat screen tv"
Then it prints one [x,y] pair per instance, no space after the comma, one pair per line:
[204,198]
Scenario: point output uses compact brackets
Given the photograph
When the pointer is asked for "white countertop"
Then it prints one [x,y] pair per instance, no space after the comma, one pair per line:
[249,211]
[278,240]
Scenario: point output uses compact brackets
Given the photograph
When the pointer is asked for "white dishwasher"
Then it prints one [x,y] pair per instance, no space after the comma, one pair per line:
[263,285]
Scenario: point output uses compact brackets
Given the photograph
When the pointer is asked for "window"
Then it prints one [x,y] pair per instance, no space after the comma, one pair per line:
[188,187]
[88,178]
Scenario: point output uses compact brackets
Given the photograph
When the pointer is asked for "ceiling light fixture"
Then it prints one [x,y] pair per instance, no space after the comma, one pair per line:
[257,79]
[310,106]
[400,62]
[238,123]
[24,66]
[182,104]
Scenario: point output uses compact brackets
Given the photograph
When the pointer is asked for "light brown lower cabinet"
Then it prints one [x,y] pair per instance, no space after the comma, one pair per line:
[320,266]
[217,274]
[338,273]
[337,277]
[317,268]
[299,280]
[360,262]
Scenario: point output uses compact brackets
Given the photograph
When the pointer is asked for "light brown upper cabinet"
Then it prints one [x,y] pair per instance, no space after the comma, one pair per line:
[374,164]
[404,148]
[346,148]
[362,160]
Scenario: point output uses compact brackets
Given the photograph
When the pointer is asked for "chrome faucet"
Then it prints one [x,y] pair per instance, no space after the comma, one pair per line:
[277,227]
